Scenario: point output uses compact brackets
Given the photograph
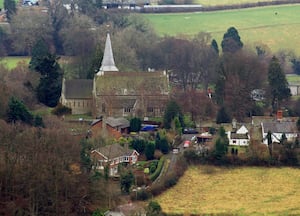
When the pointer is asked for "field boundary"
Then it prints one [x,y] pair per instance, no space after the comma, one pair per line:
[184,8]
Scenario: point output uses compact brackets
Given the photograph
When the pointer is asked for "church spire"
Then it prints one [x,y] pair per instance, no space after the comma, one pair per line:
[108,62]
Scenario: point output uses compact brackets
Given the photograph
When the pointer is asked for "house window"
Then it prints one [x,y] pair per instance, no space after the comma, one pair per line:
[78,104]
[150,109]
[127,110]
[82,103]
[74,103]
[126,159]
[234,141]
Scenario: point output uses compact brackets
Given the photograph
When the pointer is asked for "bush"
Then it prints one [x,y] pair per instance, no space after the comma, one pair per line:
[142,195]
[171,180]
[60,110]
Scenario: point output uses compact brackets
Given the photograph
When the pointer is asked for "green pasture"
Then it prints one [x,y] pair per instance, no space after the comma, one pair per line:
[227,2]
[12,62]
[278,27]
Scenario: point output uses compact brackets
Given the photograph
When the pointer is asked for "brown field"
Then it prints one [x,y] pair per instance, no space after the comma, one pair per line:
[209,190]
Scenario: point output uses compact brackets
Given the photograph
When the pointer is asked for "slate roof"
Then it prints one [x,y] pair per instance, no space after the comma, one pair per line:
[78,89]
[115,150]
[108,62]
[132,83]
[123,103]
[117,122]
[280,127]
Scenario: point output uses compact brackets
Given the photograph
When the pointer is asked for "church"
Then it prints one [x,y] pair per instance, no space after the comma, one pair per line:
[115,93]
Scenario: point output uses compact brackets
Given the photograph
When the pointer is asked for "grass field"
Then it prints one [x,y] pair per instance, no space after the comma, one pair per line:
[255,25]
[207,190]
[12,62]
[227,2]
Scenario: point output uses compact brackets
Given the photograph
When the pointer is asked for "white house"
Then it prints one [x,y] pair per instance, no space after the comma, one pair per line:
[277,129]
[240,137]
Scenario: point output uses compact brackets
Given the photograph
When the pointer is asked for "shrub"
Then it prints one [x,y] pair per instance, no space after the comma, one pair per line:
[60,110]
[142,195]
[170,180]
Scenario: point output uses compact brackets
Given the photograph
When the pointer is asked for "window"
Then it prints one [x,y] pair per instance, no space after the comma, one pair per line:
[234,141]
[78,104]
[127,110]
[126,159]
[74,103]
[150,109]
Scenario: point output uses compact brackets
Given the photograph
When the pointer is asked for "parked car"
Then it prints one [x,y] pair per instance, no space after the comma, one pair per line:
[190,131]
[186,144]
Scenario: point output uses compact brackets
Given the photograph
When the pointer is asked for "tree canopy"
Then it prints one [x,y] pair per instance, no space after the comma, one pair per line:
[278,84]
[231,41]
[49,88]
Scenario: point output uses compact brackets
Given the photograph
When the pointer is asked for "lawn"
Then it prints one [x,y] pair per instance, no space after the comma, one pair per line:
[255,25]
[293,78]
[207,190]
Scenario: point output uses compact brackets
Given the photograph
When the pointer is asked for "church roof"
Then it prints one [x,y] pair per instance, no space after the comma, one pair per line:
[78,88]
[132,83]
[108,62]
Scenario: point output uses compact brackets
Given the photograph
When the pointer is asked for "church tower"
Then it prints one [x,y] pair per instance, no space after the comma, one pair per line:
[108,62]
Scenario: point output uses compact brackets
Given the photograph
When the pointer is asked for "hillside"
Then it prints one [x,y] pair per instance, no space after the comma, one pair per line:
[277,27]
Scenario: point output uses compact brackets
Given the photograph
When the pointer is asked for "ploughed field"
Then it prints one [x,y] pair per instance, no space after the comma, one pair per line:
[278,27]
[234,191]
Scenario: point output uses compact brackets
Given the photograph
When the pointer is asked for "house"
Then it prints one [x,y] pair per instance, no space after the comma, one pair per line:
[277,129]
[115,93]
[295,88]
[114,127]
[112,156]
[239,137]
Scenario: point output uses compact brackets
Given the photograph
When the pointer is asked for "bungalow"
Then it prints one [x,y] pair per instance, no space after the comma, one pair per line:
[239,137]
[277,129]
[112,156]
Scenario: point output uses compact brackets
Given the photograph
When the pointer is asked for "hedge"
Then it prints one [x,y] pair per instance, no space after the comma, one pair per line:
[160,165]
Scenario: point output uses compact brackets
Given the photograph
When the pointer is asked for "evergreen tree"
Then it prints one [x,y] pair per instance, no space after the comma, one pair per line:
[277,83]
[126,181]
[214,45]
[39,51]
[222,116]
[270,142]
[135,124]
[296,65]
[49,88]
[172,110]
[231,41]
[10,6]
[17,111]
[149,150]
[221,146]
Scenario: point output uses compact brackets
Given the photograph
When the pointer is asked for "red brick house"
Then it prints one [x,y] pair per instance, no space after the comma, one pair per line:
[113,156]
[114,127]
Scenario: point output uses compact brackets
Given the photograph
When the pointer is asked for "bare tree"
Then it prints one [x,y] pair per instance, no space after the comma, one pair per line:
[27,26]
